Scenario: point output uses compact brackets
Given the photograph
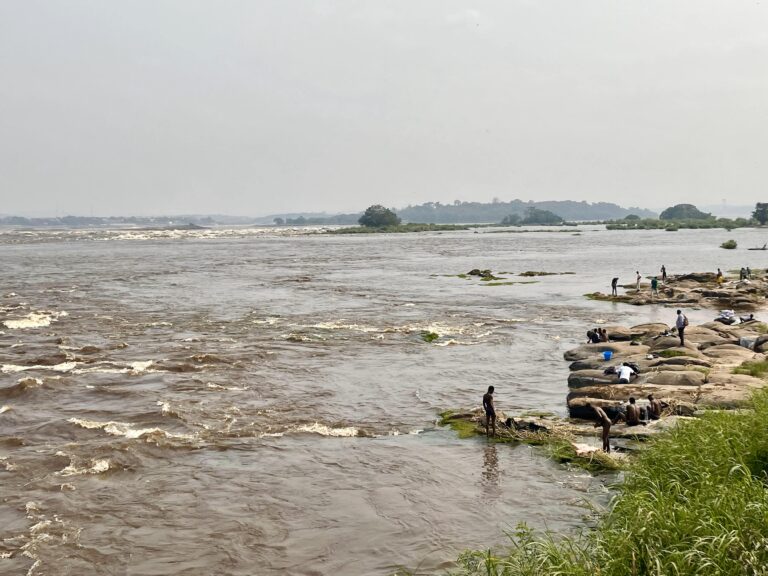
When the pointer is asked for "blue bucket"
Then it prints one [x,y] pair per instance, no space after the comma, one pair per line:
[607,355]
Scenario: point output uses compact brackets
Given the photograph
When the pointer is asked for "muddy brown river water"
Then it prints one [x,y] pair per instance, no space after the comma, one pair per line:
[252,402]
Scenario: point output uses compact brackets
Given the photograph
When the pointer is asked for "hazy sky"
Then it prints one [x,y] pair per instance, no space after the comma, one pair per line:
[259,106]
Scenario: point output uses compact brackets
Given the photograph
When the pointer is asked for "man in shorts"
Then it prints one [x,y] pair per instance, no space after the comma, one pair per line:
[490,410]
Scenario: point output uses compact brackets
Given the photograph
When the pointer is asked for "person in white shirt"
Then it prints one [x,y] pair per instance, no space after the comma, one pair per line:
[625,373]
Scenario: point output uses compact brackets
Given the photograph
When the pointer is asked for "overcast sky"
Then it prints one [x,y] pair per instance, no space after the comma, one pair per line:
[257,106]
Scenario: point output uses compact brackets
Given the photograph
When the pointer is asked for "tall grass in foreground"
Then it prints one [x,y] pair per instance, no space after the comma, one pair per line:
[694,502]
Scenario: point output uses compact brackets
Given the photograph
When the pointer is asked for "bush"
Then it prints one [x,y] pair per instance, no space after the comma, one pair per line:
[377,216]
[729,244]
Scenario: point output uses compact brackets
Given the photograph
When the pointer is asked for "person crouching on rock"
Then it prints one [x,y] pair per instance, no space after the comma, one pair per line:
[654,408]
[605,422]
[625,373]
[633,414]
[490,411]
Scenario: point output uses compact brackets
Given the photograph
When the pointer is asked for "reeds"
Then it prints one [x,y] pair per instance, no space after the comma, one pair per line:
[693,502]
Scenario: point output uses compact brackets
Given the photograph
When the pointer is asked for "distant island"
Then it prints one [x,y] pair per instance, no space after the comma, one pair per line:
[513,213]
[480,213]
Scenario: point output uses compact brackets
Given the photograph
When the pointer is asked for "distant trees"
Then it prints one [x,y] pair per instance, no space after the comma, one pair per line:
[632,217]
[533,217]
[761,213]
[377,216]
[278,221]
[684,212]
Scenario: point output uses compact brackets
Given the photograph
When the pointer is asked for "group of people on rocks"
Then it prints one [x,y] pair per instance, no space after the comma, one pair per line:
[638,278]
[632,417]
[597,335]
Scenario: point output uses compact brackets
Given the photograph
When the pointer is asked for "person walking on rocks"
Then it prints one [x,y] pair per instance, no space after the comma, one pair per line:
[637,287]
[720,279]
[663,274]
[614,283]
[681,323]
[654,286]
[490,410]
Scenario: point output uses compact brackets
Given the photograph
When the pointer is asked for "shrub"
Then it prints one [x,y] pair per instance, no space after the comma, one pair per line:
[729,244]
[377,216]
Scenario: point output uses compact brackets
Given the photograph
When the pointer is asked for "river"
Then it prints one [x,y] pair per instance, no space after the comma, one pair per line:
[262,402]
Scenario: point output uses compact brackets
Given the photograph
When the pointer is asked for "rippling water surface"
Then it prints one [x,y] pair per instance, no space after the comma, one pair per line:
[242,402]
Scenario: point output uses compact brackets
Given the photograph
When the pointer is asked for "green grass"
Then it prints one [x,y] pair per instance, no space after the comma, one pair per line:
[672,353]
[759,368]
[463,428]
[400,228]
[428,336]
[555,444]
[694,502]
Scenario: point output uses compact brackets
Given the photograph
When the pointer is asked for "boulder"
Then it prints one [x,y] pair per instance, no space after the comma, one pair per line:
[731,354]
[725,378]
[761,344]
[577,408]
[644,330]
[681,361]
[590,378]
[588,364]
[591,351]
[720,396]
[618,333]
[677,378]
[667,342]
[697,277]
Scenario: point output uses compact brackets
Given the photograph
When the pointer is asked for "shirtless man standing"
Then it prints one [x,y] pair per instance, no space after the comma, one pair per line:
[490,411]
[605,422]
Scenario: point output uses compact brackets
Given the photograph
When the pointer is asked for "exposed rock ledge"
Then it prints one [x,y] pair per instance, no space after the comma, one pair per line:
[699,289]
[699,375]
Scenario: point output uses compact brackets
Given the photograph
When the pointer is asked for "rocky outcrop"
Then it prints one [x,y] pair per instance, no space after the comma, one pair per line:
[698,288]
[686,378]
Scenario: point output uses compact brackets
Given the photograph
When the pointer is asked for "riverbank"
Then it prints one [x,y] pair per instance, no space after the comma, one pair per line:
[681,510]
